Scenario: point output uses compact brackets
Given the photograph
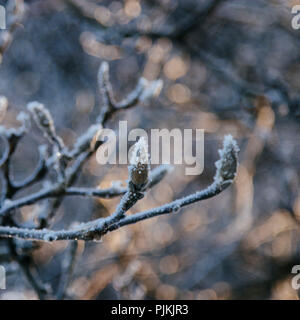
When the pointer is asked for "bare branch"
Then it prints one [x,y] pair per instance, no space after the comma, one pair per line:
[57,191]
[95,229]
[68,161]
[226,171]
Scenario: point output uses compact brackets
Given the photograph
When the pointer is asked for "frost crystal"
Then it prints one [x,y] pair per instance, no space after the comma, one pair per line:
[227,164]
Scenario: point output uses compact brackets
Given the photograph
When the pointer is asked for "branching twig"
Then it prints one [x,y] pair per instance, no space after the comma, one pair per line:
[67,163]
[226,170]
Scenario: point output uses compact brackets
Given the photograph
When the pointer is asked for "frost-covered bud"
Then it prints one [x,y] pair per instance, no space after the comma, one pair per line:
[42,117]
[44,121]
[228,162]
[139,164]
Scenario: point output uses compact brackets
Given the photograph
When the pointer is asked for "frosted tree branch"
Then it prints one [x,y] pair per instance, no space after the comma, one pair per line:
[67,161]
[226,168]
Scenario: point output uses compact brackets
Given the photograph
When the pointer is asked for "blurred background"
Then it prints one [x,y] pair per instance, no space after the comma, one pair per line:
[228,67]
